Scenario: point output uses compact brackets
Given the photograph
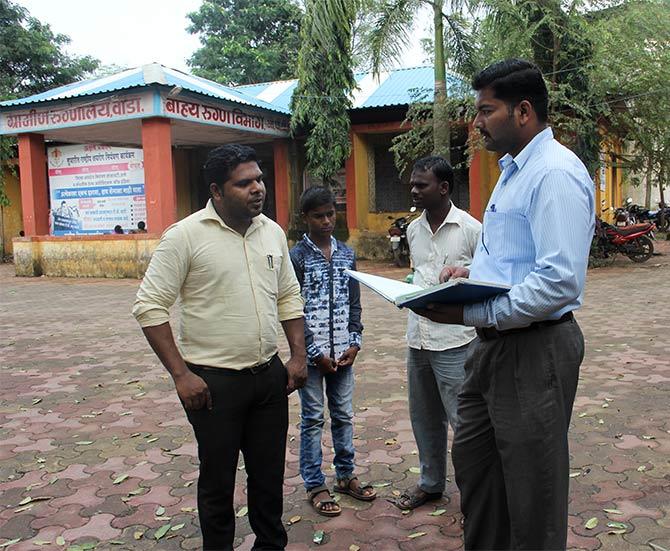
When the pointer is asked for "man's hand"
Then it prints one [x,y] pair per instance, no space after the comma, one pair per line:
[348,357]
[325,365]
[296,367]
[453,272]
[442,313]
[193,391]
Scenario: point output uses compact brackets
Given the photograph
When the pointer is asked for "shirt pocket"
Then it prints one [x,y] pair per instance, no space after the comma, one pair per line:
[267,268]
[506,236]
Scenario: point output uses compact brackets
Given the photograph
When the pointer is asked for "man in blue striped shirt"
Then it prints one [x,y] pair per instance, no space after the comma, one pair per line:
[510,452]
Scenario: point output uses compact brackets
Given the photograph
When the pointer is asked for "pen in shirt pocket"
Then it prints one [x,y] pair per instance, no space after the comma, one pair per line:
[271,263]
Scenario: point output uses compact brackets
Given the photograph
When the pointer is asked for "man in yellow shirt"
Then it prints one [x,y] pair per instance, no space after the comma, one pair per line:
[229,266]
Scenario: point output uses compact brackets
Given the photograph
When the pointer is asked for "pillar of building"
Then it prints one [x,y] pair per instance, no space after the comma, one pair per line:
[282,182]
[34,194]
[350,186]
[159,179]
[475,185]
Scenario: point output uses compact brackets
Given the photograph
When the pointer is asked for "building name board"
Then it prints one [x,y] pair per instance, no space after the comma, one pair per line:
[225,116]
[105,110]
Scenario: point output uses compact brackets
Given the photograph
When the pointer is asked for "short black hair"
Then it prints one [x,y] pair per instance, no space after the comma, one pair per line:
[439,166]
[515,80]
[141,225]
[222,160]
[315,197]
[118,229]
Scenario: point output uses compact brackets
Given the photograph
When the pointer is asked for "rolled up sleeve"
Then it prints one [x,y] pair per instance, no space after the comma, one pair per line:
[163,279]
[289,301]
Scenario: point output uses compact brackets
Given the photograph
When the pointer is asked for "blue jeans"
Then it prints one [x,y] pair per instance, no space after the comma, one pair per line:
[339,391]
[434,379]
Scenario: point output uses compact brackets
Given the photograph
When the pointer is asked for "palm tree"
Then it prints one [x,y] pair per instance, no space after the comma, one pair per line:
[389,36]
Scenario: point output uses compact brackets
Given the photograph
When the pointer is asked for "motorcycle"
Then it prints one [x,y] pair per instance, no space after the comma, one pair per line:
[397,235]
[633,241]
[660,217]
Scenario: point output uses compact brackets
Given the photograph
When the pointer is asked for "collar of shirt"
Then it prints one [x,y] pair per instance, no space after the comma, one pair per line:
[315,248]
[509,165]
[209,213]
[452,217]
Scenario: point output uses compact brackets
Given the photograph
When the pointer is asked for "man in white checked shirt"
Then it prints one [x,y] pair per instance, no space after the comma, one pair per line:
[510,452]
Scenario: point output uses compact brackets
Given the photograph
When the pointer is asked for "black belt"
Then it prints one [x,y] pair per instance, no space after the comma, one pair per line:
[254,369]
[490,333]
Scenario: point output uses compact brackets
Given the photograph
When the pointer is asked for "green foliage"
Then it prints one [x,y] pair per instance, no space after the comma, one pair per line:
[31,56]
[388,37]
[31,61]
[246,41]
[322,98]
[631,70]
[418,139]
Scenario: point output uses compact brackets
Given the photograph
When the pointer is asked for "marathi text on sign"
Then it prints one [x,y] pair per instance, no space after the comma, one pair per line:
[229,117]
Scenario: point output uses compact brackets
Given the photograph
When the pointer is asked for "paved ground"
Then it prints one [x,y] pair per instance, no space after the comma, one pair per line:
[96,452]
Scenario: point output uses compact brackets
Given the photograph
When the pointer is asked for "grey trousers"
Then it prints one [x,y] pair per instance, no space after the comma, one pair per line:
[434,379]
[511,449]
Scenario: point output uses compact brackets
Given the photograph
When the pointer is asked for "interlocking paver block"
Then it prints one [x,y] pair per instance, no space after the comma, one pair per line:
[84,373]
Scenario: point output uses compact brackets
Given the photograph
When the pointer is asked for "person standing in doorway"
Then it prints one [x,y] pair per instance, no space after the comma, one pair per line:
[442,235]
[510,452]
[230,267]
[333,333]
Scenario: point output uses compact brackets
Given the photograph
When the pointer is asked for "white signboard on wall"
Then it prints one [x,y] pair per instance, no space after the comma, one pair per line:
[94,188]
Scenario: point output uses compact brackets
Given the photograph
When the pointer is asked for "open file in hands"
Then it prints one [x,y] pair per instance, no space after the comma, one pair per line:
[454,291]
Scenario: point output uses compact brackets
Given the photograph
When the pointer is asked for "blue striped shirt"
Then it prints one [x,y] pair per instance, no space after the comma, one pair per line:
[332,298]
[536,237]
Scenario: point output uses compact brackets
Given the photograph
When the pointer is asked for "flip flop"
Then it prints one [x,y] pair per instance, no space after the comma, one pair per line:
[343,486]
[318,506]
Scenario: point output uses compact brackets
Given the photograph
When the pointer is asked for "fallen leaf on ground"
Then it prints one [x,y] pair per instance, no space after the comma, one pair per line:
[120,479]
[242,512]
[437,512]
[416,535]
[591,523]
[161,531]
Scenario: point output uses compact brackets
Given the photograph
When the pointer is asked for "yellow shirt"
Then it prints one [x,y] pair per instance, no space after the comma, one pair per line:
[233,290]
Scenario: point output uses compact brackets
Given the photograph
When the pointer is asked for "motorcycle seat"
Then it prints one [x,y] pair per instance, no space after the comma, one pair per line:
[635,228]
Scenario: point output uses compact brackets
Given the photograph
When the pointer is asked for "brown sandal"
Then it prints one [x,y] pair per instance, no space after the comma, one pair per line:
[343,486]
[318,506]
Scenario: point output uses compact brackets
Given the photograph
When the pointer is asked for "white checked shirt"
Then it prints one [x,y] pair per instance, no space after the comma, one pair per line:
[453,244]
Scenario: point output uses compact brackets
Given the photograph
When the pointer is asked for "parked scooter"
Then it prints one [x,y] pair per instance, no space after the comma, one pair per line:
[634,241]
[398,238]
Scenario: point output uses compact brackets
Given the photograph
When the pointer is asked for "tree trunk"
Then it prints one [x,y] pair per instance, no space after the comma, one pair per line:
[441,126]
[648,186]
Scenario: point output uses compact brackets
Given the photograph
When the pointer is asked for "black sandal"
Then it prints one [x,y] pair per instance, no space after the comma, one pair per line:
[343,486]
[318,506]
[411,500]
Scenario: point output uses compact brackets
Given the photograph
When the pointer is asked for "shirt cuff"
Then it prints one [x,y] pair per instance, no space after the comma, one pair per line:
[152,317]
[291,309]
[475,315]
[313,352]
[355,339]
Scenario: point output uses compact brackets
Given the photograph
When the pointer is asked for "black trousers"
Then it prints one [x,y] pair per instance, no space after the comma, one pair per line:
[510,452]
[249,414]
